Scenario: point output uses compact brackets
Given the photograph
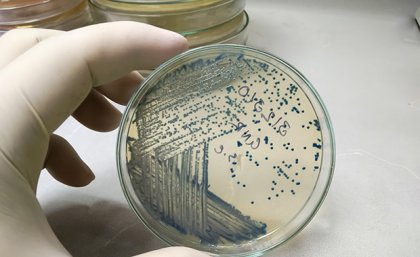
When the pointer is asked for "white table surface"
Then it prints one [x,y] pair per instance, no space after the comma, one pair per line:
[364,59]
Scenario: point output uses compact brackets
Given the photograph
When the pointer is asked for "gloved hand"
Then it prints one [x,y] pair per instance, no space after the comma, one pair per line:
[46,76]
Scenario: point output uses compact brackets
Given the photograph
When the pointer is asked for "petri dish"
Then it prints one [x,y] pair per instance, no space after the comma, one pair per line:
[232,31]
[57,14]
[226,149]
[179,16]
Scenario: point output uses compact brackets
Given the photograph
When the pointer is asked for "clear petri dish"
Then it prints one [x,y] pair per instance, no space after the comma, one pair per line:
[226,149]
[155,1]
[57,14]
[179,16]
[232,31]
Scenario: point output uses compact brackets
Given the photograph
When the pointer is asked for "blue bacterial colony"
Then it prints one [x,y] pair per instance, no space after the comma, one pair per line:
[240,111]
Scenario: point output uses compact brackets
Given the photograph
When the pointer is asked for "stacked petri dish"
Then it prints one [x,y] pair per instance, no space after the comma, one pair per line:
[202,22]
[54,14]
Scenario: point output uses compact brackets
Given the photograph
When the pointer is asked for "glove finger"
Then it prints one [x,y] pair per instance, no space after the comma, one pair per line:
[97,113]
[174,252]
[65,165]
[121,90]
[15,42]
[65,67]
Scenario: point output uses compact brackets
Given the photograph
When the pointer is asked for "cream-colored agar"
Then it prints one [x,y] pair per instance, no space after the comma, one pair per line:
[226,139]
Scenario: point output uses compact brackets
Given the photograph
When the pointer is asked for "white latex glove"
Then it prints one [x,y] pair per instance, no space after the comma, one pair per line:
[46,76]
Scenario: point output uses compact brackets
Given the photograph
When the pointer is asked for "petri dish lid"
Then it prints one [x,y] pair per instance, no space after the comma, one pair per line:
[155,1]
[156,7]
[234,28]
[19,12]
[179,16]
[58,14]
[225,149]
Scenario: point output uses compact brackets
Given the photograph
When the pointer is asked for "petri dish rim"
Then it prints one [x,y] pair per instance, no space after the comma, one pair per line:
[236,27]
[35,12]
[180,7]
[182,20]
[321,190]
[78,13]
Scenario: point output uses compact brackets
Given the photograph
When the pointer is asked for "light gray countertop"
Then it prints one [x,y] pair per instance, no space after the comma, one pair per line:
[363,57]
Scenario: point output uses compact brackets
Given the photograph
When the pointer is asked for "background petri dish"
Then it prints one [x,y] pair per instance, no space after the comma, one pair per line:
[232,31]
[57,14]
[155,1]
[179,16]
[226,149]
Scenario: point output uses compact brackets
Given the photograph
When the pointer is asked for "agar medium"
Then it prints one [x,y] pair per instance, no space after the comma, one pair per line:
[226,149]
